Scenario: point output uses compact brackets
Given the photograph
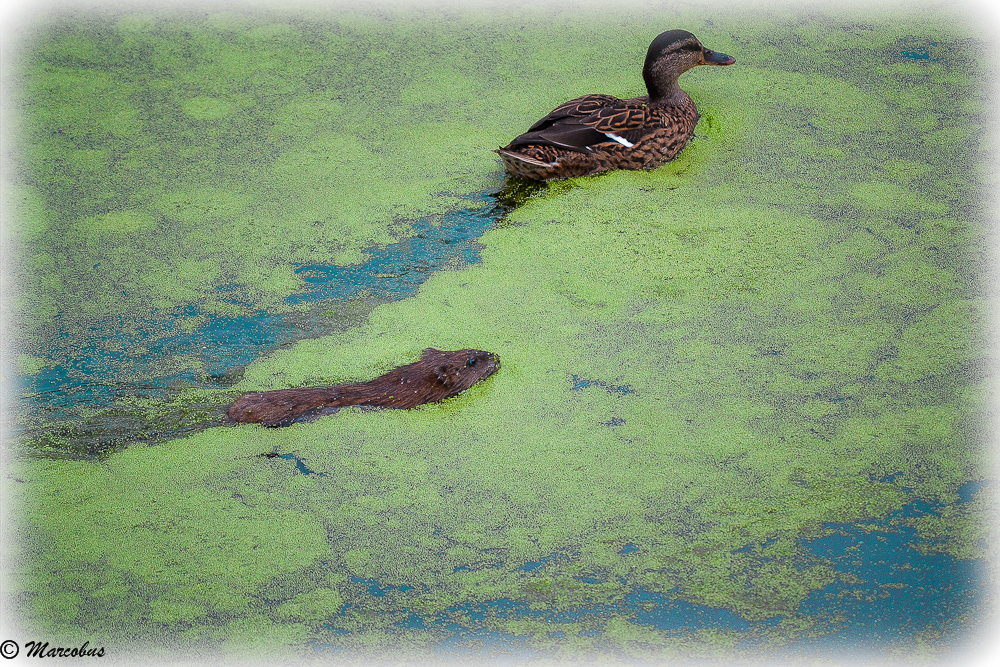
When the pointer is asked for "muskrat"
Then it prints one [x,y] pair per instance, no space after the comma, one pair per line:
[437,376]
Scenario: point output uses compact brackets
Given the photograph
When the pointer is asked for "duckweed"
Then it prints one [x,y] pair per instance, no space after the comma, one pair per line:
[794,304]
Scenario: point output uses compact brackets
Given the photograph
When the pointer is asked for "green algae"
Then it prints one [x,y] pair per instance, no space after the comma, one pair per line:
[192,124]
[791,305]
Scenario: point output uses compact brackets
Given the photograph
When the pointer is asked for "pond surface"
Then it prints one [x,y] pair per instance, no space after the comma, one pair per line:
[108,372]
[742,398]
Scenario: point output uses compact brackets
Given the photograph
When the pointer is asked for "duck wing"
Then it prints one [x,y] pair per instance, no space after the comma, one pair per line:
[586,121]
[578,108]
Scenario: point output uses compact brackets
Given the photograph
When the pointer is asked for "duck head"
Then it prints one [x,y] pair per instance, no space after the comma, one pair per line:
[671,54]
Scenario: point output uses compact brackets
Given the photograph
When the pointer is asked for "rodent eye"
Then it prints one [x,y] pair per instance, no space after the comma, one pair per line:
[471,361]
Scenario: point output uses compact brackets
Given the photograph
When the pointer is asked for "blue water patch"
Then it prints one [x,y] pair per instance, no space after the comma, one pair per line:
[299,464]
[413,622]
[474,568]
[531,566]
[580,383]
[969,489]
[919,52]
[894,589]
[147,357]
[897,587]
[94,368]
[399,269]
[641,606]
[665,613]
[501,608]
[377,590]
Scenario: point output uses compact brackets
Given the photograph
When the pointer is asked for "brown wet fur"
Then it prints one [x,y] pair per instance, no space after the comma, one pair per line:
[437,376]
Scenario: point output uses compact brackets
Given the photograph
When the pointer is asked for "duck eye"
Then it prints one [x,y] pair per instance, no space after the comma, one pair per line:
[471,361]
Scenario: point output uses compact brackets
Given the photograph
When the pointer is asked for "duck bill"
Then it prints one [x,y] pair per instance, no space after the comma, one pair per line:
[713,58]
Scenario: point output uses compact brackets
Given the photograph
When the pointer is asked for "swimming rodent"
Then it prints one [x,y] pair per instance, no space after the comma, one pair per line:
[437,376]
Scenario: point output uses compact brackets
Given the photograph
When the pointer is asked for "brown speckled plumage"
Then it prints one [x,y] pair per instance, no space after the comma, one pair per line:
[645,132]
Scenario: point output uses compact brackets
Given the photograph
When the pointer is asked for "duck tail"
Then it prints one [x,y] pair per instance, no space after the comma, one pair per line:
[510,156]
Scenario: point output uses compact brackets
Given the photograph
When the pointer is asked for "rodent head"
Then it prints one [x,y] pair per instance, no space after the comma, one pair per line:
[461,369]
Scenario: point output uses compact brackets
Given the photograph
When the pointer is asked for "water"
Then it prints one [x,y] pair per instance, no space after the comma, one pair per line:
[893,586]
[895,591]
[897,588]
[106,369]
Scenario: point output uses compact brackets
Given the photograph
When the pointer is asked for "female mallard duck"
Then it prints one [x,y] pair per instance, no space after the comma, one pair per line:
[596,133]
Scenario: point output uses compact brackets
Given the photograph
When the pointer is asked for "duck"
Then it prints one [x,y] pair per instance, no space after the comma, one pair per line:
[597,133]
